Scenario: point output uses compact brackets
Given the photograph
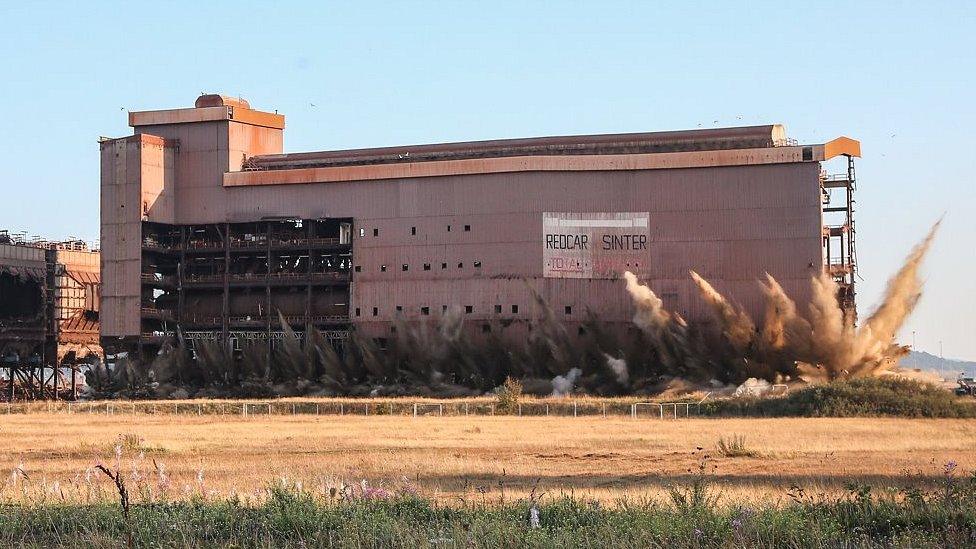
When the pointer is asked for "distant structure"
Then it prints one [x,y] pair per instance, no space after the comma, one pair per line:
[49,302]
[210,232]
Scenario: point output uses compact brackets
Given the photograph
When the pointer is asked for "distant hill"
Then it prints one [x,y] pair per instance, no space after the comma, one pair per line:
[948,368]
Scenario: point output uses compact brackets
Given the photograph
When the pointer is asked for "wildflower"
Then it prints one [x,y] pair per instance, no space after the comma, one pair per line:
[950,467]
[534,517]
[736,523]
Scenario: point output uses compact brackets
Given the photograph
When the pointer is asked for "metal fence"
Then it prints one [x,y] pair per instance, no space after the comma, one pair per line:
[365,408]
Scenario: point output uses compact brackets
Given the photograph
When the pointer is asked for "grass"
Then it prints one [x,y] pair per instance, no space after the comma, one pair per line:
[866,516]
[449,458]
[866,397]
[734,447]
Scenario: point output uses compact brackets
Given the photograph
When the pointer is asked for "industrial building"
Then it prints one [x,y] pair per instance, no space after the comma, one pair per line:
[209,230]
[49,302]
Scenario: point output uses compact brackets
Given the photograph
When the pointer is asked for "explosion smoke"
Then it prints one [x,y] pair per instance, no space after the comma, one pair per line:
[442,358]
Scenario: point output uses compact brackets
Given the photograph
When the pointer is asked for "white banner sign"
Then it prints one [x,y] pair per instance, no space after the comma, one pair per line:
[593,245]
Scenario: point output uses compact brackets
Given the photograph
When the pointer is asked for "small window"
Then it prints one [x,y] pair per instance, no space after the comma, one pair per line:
[362,231]
[405,267]
[468,309]
[375,311]
[399,308]
[569,309]
[426,266]
[376,232]
[443,265]
[477,264]
[382,268]
[413,231]
[460,265]
[498,309]
[443,308]
[448,228]
[359,268]
[514,309]
[467,228]
[357,311]
[486,328]
[425,310]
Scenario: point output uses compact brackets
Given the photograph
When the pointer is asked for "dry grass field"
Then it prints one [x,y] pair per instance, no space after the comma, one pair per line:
[472,458]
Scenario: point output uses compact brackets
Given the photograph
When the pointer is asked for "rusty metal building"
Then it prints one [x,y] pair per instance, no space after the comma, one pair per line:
[49,302]
[208,229]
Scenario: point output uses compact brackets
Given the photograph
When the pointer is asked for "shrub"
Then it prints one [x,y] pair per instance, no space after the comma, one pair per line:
[865,397]
[508,396]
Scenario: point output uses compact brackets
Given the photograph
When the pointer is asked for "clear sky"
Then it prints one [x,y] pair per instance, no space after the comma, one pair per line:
[900,77]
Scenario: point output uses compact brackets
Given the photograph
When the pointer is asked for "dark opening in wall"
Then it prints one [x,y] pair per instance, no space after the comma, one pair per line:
[498,309]
[443,308]
[399,308]
[467,228]
[569,309]
[443,265]
[460,265]
[405,267]
[357,311]
[477,264]
[425,310]
[382,268]
[448,228]
[359,268]
[468,309]
[514,309]
[376,311]
[426,266]
[376,232]
[413,231]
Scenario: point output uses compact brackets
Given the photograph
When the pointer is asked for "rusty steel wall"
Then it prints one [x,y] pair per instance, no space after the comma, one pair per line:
[731,224]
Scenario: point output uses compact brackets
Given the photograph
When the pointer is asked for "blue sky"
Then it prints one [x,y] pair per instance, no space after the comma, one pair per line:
[897,76]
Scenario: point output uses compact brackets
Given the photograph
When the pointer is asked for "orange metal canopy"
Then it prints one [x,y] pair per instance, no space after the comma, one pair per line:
[842,145]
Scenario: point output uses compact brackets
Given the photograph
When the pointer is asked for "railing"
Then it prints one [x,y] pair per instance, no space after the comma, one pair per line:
[273,277]
[834,177]
[263,319]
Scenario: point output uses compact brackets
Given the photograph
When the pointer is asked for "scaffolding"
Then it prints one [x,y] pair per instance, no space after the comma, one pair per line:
[839,233]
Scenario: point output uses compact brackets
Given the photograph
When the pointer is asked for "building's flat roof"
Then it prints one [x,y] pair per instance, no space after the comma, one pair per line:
[748,137]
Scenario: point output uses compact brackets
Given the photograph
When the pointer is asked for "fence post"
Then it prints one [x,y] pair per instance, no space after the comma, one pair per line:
[574,408]
[391,408]
[367,408]
[244,409]
[316,408]
[520,409]
[465,408]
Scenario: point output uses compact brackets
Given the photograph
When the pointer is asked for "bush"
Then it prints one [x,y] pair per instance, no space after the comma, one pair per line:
[508,396]
[865,397]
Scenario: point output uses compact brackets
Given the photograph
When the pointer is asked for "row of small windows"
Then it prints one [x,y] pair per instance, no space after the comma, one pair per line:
[406,267]
[413,230]
[468,309]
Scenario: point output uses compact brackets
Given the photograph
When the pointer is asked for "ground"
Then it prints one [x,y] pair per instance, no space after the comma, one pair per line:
[473,458]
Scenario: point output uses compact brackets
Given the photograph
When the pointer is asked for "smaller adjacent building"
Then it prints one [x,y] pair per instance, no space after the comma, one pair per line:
[49,302]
